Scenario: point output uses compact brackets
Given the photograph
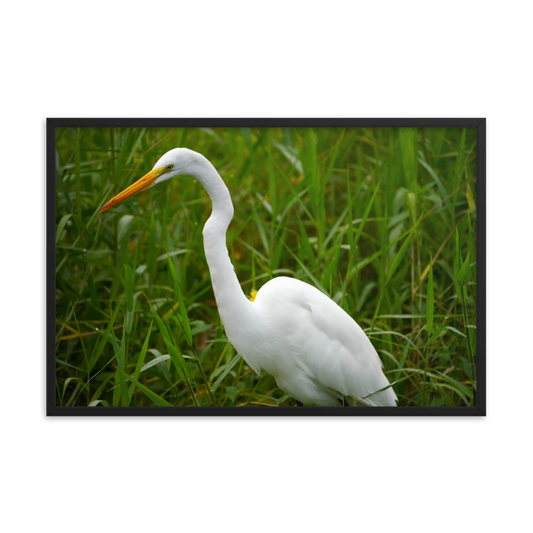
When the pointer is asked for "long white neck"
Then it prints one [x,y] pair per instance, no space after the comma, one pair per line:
[233,305]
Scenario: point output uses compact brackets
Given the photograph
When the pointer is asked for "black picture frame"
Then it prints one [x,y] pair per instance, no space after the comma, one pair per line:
[478,123]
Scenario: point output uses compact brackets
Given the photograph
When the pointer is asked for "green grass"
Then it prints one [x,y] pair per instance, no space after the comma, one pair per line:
[382,220]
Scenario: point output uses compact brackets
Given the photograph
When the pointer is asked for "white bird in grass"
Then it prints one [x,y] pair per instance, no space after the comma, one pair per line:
[316,352]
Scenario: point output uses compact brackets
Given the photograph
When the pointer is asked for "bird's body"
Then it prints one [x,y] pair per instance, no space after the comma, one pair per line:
[316,352]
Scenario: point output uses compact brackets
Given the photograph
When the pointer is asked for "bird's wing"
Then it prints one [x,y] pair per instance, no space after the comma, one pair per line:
[342,358]
[330,346]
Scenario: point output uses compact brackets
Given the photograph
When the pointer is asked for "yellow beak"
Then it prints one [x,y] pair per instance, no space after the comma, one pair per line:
[138,186]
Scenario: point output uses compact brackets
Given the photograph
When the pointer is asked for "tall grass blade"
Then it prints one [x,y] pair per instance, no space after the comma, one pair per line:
[305,244]
[183,311]
[411,201]
[187,327]
[136,146]
[334,231]
[173,350]
[409,150]
[465,271]
[351,241]
[291,154]
[317,283]
[461,154]
[122,156]
[77,172]
[430,301]
[160,402]
[61,226]
[175,355]
[119,379]
[140,360]
[458,263]
[368,207]
[312,174]
[129,277]
[334,156]
[151,248]
[440,186]
[227,370]
[104,337]
[124,228]
[398,258]
[328,277]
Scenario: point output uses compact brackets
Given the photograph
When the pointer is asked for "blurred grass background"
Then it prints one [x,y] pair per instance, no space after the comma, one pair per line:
[382,220]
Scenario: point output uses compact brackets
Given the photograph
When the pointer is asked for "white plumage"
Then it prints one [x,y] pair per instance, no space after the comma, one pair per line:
[316,352]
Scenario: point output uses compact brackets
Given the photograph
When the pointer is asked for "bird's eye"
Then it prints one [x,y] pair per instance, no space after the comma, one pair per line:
[169,166]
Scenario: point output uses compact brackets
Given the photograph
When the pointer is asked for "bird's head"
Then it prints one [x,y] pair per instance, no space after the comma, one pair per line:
[177,162]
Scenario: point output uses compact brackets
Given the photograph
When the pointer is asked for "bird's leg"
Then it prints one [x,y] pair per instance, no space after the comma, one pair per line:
[299,404]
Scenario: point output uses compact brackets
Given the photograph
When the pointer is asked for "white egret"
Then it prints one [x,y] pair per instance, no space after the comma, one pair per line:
[316,352]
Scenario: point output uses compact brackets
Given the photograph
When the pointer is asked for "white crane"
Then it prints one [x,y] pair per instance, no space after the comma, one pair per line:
[316,352]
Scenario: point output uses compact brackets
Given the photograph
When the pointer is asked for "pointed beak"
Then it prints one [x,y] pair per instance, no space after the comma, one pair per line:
[144,183]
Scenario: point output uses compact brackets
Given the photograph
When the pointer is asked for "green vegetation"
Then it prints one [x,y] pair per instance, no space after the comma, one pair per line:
[382,220]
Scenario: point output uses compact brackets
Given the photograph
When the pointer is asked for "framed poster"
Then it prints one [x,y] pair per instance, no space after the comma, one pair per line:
[285,267]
